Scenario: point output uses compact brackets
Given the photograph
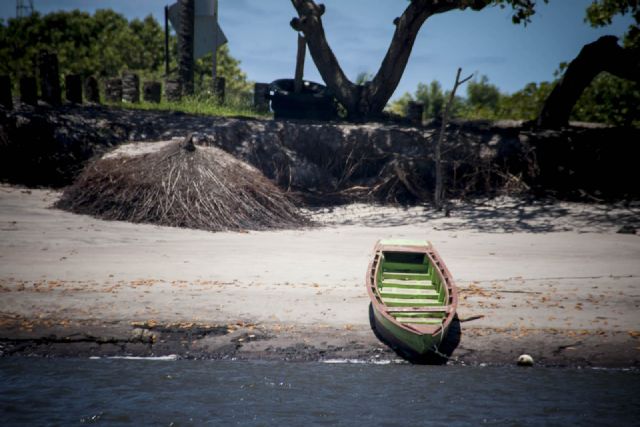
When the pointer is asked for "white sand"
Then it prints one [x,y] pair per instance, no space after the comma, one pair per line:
[546,266]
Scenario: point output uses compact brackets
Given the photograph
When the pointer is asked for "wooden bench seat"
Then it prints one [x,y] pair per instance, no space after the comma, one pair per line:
[425,284]
[420,320]
[432,309]
[408,293]
[410,302]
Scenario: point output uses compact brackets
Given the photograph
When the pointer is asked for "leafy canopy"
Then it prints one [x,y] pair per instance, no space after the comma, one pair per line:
[608,99]
[601,13]
[103,44]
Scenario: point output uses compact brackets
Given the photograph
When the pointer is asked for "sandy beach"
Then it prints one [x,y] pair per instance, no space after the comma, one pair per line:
[552,280]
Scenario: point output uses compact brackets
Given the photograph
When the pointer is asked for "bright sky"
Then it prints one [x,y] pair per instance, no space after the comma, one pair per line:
[359,31]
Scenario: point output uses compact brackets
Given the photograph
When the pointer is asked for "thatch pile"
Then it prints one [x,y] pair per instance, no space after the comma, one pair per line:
[182,185]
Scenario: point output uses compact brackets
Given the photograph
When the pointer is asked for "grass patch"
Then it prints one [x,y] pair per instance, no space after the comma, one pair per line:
[201,105]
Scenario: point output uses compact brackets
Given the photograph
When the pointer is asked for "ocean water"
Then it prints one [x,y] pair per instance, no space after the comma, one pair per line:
[37,391]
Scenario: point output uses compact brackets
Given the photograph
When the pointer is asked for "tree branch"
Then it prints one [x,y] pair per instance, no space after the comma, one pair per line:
[372,97]
[407,26]
[602,55]
[309,22]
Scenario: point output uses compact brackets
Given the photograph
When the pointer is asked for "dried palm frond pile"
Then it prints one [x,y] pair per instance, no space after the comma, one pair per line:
[179,184]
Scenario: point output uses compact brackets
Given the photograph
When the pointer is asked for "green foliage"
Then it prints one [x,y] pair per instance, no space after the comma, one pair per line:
[399,106]
[608,100]
[202,104]
[524,104]
[523,10]
[484,101]
[227,67]
[433,99]
[104,45]
[601,12]
[363,77]
[480,93]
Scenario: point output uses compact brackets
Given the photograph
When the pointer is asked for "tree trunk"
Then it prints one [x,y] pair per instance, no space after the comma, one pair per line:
[602,55]
[368,100]
[185,46]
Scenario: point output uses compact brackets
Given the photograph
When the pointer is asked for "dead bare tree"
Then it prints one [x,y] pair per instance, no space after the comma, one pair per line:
[438,194]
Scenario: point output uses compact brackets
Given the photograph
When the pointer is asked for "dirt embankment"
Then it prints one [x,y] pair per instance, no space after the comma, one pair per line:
[339,162]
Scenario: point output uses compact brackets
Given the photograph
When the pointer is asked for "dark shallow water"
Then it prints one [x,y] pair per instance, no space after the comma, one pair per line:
[187,392]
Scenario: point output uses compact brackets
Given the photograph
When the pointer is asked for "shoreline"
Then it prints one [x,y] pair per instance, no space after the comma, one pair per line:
[291,343]
[554,281]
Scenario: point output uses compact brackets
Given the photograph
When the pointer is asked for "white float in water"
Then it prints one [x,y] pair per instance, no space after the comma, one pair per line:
[525,360]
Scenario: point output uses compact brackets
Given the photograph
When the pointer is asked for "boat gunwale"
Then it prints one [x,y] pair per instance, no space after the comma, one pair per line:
[436,262]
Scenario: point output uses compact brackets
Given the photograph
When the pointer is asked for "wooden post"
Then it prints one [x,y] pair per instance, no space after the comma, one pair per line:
[172,90]
[414,112]
[438,194]
[302,47]
[151,91]
[113,90]
[130,87]
[91,90]
[49,78]
[185,45]
[5,92]
[28,90]
[260,99]
[73,88]
[219,89]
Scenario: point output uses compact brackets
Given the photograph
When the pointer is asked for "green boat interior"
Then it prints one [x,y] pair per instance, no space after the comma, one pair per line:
[411,288]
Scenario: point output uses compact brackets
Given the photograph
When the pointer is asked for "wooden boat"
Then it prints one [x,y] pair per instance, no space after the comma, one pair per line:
[412,295]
